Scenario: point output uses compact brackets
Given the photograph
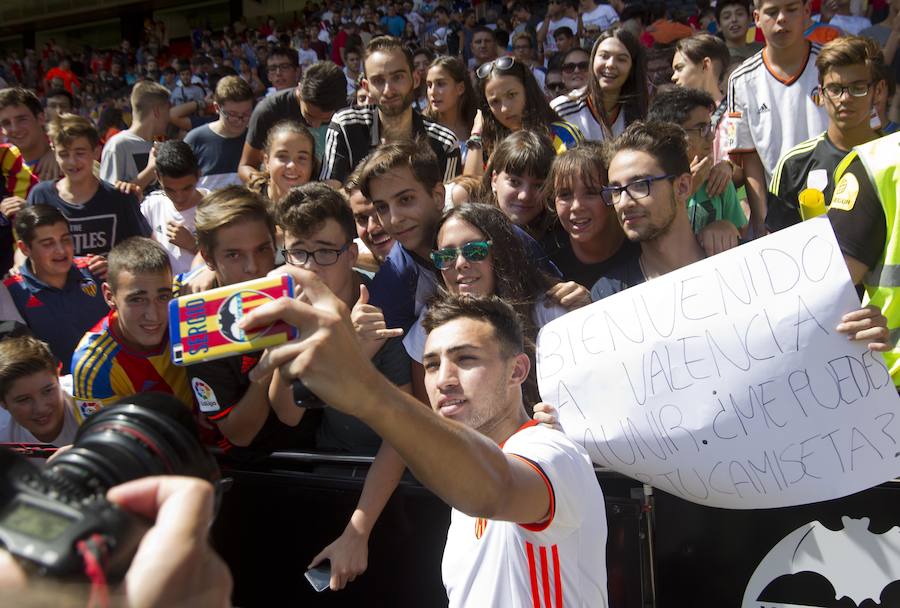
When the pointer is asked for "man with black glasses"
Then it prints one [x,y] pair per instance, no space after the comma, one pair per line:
[649,185]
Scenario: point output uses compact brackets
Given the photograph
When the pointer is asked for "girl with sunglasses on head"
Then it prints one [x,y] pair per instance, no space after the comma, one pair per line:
[451,97]
[515,176]
[478,252]
[510,100]
[617,92]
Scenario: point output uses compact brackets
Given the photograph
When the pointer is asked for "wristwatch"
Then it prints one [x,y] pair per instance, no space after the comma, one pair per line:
[474,142]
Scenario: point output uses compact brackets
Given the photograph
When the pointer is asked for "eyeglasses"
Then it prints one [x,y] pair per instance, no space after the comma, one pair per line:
[637,189]
[473,251]
[322,257]
[555,86]
[280,67]
[703,131]
[502,63]
[569,68]
[836,91]
[236,115]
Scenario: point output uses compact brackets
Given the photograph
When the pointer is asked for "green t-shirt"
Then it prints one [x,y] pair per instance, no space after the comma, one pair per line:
[703,210]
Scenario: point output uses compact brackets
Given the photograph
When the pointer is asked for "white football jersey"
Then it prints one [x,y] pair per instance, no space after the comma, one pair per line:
[561,561]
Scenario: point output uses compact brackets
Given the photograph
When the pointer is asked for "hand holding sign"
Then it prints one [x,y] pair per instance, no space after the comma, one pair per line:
[728,382]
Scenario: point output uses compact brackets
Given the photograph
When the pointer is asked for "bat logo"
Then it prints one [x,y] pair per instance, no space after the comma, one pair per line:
[816,567]
[232,311]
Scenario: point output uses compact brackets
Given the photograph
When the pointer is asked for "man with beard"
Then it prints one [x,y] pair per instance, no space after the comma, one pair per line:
[354,132]
[649,186]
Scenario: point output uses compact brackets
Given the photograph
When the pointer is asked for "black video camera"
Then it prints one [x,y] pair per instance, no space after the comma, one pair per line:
[49,517]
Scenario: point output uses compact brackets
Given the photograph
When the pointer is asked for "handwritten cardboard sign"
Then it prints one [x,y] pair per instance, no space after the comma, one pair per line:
[725,382]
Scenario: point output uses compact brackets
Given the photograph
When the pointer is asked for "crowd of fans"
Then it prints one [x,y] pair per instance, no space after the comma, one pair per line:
[550,155]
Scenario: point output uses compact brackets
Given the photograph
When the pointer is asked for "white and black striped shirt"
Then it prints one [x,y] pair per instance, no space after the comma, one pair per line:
[355,132]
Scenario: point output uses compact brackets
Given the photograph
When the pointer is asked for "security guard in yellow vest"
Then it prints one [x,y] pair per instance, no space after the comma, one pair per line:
[866,218]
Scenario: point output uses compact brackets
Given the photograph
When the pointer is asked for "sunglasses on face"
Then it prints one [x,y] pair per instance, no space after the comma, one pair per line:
[473,251]
[503,63]
[556,86]
[570,68]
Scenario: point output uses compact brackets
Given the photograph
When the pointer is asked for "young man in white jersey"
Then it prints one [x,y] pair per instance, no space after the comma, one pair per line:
[528,526]
[771,105]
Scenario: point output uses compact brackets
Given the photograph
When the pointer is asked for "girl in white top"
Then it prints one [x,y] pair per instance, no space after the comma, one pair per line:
[618,92]
[479,253]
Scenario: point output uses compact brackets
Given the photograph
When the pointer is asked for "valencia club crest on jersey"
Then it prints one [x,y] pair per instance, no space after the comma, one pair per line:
[89,288]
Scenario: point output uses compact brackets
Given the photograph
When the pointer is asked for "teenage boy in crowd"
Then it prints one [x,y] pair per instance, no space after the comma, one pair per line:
[219,144]
[392,83]
[170,210]
[36,408]
[283,70]
[368,227]
[55,292]
[716,220]
[770,102]
[16,181]
[236,236]
[99,215]
[733,17]
[128,155]
[128,352]
[556,18]
[320,94]
[535,495]
[318,236]
[849,85]
[22,122]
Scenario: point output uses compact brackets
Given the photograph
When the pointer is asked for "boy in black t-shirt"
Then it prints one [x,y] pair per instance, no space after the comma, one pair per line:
[236,236]
[99,215]
[318,236]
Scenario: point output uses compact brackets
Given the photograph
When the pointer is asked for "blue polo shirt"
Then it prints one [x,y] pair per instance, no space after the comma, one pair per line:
[60,317]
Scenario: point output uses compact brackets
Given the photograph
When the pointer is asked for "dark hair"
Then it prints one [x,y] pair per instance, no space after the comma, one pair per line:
[483,29]
[538,114]
[137,255]
[524,153]
[490,309]
[422,50]
[468,103]
[664,141]
[324,85]
[17,96]
[416,155]
[291,55]
[675,105]
[563,31]
[700,46]
[721,4]
[306,208]
[61,93]
[635,93]
[174,158]
[387,44]
[32,217]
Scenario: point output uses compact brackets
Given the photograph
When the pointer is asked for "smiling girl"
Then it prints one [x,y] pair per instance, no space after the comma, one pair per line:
[618,91]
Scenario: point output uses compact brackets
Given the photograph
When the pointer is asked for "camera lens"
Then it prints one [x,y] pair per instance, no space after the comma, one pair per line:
[143,435]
